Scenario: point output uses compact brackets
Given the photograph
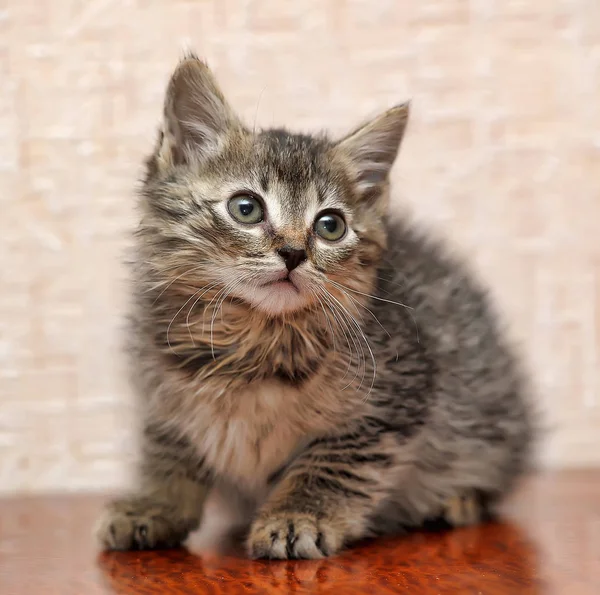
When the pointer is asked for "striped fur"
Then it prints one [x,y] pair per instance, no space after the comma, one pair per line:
[374,392]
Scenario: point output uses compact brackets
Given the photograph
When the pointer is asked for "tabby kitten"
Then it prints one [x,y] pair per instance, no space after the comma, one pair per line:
[293,342]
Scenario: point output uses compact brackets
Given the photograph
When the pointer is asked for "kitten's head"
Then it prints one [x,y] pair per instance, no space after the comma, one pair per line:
[275,219]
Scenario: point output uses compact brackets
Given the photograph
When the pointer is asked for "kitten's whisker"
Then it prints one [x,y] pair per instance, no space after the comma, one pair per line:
[177,314]
[367,309]
[391,282]
[410,309]
[368,345]
[215,299]
[226,292]
[361,364]
[380,299]
[174,280]
[373,297]
[345,317]
[187,318]
[343,327]
[207,307]
[320,302]
[236,284]
[256,111]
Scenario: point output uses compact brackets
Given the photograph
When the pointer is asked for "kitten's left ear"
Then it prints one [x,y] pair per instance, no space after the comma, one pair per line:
[372,148]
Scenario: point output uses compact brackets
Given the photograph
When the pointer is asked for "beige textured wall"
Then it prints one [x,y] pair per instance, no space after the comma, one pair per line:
[503,155]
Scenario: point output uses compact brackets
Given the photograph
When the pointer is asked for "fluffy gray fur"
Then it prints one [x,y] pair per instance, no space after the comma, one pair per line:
[364,389]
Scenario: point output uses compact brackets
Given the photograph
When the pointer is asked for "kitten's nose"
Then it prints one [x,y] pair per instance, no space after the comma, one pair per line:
[292,257]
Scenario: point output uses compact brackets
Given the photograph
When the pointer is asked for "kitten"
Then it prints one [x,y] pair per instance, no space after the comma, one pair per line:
[335,369]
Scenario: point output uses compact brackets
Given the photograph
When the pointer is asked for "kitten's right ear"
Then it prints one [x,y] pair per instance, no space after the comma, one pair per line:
[196,115]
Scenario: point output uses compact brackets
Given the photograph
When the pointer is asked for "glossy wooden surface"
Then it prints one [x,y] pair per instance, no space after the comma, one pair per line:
[547,543]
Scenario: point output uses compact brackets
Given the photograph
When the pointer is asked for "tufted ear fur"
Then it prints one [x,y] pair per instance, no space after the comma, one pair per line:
[196,115]
[372,148]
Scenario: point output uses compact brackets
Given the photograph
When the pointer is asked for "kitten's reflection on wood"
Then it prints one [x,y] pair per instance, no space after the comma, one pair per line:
[546,544]
[496,558]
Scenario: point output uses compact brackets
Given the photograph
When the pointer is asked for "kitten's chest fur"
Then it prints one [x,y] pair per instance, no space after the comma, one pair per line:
[238,347]
[253,436]
[250,392]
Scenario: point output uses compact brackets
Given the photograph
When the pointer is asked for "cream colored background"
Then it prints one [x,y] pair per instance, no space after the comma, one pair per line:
[503,154]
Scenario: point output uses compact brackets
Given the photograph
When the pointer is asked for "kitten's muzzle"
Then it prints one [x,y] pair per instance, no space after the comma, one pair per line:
[283,276]
[292,257]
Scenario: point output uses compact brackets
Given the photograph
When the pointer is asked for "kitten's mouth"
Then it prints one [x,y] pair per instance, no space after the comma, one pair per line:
[283,281]
[279,292]
[287,282]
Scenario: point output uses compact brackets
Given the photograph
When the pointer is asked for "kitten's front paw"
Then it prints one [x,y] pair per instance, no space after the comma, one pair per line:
[292,535]
[142,524]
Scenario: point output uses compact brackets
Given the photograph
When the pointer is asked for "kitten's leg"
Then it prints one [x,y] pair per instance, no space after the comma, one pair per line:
[166,506]
[144,522]
[322,502]
[465,509]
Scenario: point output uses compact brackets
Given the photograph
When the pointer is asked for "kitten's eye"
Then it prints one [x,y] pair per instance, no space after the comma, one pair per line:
[246,209]
[330,227]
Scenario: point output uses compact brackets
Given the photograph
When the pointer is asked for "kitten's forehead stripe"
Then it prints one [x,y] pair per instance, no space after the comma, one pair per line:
[321,194]
[263,179]
[296,160]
